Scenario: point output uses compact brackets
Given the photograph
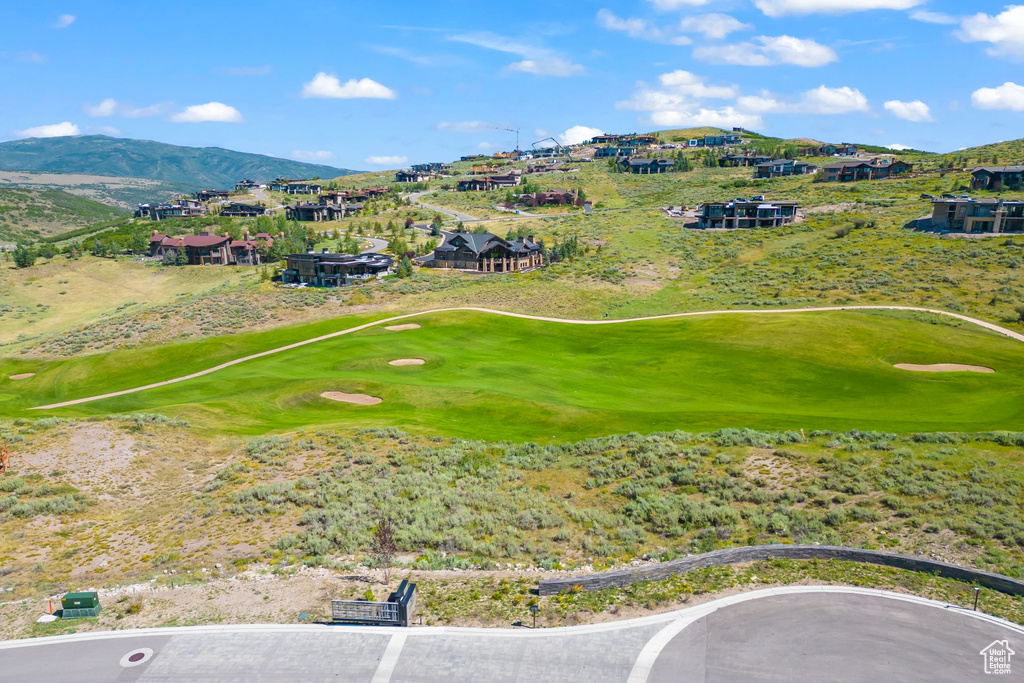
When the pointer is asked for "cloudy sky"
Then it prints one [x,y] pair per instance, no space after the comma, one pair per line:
[378,85]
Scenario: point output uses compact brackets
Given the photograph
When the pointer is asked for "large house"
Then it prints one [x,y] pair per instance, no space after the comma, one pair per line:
[239,210]
[433,167]
[210,195]
[837,150]
[492,182]
[246,184]
[649,166]
[746,214]
[296,186]
[304,212]
[741,160]
[997,178]
[779,168]
[334,270]
[488,253]
[967,214]
[715,140]
[546,197]
[207,249]
[412,176]
[182,208]
[613,152]
[871,169]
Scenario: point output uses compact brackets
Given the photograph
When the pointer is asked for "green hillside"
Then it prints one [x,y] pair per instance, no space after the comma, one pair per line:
[191,167]
[39,213]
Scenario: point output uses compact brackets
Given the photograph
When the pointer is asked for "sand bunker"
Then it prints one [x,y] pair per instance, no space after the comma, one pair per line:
[358,399]
[24,375]
[407,361]
[943,367]
[399,328]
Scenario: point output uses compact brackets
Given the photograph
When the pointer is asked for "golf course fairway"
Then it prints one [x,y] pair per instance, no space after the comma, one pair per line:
[494,377]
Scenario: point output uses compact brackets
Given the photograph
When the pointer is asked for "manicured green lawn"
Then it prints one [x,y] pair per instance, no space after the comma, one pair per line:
[495,378]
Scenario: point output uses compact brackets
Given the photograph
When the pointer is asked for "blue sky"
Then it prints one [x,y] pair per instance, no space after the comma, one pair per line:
[379,85]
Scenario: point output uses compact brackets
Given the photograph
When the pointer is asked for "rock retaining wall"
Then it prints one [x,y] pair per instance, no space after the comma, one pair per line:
[663,570]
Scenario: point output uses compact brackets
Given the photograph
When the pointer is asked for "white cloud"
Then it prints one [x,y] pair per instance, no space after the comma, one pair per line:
[314,157]
[639,28]
[29,56]
[143,112]
[1005,31]
[929,17]
[679,101]
[1009,96]
[537,59]
[216,112]
[578,134]
[668,5]
[778,8]
[54,130]
[712,26]
[328,86]
[483,146]
[724,117]
[768,51]
[692,85]
[898,147]
[916,111]
[821,100]
[391,161]
[105,108]
[552,66]
[65,20]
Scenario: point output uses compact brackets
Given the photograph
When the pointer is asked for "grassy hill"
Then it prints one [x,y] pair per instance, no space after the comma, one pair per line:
[28,213]
[190,167]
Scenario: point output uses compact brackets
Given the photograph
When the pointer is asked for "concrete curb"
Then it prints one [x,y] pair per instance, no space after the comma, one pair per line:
[718,558]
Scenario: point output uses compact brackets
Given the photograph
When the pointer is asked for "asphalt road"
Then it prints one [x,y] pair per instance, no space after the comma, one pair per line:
[792,634]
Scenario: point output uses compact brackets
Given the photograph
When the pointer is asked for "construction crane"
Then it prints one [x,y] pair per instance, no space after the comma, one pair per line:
[510,130]
[561,150]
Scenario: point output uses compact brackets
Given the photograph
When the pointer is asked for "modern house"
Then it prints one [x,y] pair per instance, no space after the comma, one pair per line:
[304,212]
[613,152]
[779,168]
[843,150]
[334,270]
[997,178]
[966,214]
[488,253]
[547,197]
[412,176]
[715,140]
[239,210]
[206,249]
[746,214]
[871,169]
[183,208]
[471,157]
[296,186]
[741,160]
[649,166]
[246,184]
[492,182]
[210,195]
[433,167]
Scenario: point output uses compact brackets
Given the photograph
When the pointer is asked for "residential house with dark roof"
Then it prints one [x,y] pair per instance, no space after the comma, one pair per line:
[746,214]
[844,150]
[492,182]
[613,152]
[210,195]
[869,169]
[549,197]
[205,249]
[996,178]
[239,210]
[305,212]
[433,167]
[246,184]
[182,208]
[412,176]
[972,215]
[780,168]
[334,270]
[742,160]
[488,253]
[649,166]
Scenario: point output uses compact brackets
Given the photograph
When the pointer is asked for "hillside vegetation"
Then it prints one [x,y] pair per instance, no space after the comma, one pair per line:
[31,214]
[191,167]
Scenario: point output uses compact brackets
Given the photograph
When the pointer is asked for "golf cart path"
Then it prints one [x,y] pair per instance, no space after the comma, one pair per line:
[567,321]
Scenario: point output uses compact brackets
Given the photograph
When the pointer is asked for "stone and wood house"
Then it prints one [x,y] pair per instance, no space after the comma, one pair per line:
[207,249]
[780,168]
[870,169]
[974,215]
[996,178]
[746,214]
[334,270]
[488,253]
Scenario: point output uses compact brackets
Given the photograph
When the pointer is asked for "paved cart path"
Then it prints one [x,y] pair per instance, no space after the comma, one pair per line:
[798,633]
[387,321]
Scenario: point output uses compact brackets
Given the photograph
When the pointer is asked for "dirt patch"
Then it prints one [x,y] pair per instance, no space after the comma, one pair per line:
[407,361]
[358,399]
[842,207]
[400,328]
[24,375]
[944,367]
[92,456]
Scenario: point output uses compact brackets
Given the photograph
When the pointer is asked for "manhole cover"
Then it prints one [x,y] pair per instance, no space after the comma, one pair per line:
[136,657]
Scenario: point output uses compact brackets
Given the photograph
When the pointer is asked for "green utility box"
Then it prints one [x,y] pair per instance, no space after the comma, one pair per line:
[80,605]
